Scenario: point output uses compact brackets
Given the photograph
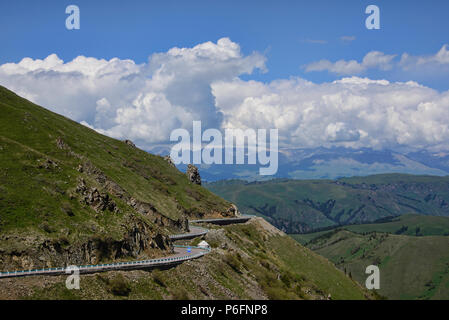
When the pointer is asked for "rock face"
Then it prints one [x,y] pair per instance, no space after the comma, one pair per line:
[193,174]
[61,144]
[47,164]
[92,197]
[139,240]
[233,211]
[151,212]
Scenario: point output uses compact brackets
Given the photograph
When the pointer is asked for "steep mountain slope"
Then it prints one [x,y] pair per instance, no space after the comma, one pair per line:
[69,195]
[298,206]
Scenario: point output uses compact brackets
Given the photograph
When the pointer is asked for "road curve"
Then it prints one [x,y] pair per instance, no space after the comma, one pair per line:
[182,253]
[225,221]
[193,233]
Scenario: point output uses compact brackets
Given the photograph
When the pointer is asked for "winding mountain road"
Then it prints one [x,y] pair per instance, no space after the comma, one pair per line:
[182,253]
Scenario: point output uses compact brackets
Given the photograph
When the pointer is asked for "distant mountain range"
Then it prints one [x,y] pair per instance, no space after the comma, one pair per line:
[333,163]
[298,206]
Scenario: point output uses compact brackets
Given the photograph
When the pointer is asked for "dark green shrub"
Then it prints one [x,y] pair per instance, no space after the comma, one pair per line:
[119,286]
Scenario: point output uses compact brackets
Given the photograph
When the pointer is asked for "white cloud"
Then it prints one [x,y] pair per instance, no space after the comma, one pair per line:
[373,59]
[430,62]
[437,63]
[347,38]
[126,100]
[145,102]
[339,67]
[352,112]
[338,132]
[443,55]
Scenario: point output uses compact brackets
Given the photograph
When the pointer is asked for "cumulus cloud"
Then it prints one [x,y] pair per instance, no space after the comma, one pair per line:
[339,132]
[373,59]
[436,63]
[73,88]
[351,112]
[126,100]
[145,102]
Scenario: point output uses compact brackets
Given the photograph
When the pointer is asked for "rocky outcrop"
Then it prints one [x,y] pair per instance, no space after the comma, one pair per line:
[193,174]
[233,211]
[92,171]
[61,144]
[141,207]
[92,197]
[170,161]
[47,164]
[130,143]
[157,218]
[140,240]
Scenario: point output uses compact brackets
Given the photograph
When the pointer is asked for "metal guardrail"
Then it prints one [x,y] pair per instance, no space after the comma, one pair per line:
[189,235]
[111,266]
[238,219]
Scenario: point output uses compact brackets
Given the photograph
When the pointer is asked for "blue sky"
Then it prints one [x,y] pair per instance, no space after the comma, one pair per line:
[291,34]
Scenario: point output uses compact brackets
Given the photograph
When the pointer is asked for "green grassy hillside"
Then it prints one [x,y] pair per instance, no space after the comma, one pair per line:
[408,224]
[410,267]
[299,206]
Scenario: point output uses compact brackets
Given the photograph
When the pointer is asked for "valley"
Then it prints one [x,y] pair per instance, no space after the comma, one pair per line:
[397,222]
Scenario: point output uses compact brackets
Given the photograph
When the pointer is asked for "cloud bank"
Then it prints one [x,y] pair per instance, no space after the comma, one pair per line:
[145,102]
[351,112]
[372,60]
[438,62]
[123,99]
